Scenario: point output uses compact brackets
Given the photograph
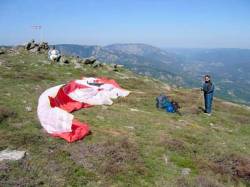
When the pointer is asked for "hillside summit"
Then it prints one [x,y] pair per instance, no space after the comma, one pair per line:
[132,143]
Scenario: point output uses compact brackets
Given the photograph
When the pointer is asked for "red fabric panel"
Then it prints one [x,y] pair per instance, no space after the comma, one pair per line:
[108,81]
[53,102]
[64,102]
[72,86]
[79,131]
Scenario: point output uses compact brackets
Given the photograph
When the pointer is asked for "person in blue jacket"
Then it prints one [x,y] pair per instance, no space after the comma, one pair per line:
[208,89]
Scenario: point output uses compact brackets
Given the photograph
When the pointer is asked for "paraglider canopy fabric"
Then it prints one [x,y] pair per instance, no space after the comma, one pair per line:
[56,104]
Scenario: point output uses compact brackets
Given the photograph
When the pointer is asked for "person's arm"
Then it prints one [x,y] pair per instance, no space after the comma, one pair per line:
[211,90]
[204,88]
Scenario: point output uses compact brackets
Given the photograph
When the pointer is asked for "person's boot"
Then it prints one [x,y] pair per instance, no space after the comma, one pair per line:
[208,114]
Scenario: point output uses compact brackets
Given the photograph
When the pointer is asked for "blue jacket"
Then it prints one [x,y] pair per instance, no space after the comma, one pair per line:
[208,88]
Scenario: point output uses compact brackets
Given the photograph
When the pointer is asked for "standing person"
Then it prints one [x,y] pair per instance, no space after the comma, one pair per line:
[208,89]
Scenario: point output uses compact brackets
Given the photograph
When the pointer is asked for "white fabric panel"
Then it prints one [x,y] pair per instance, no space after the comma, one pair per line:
[97,95]
[53,120]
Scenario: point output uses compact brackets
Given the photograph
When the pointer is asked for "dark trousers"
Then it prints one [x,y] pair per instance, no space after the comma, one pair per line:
[208,98]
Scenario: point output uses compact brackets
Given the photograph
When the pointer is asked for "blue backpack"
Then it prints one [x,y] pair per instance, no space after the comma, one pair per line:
[162,101]
[170,108]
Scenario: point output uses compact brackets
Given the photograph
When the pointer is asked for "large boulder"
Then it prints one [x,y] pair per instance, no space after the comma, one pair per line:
[2,52]
[117,67]
[64,60]
[76,60]
[34,49]
[97,64]
[44,46]
[90,60]
[30,45]
[33,45]
[27,46]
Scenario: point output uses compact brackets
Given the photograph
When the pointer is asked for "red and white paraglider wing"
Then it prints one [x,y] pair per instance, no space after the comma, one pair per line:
[56,103]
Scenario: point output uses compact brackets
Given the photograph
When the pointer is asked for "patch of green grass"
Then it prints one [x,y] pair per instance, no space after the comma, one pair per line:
[184,162]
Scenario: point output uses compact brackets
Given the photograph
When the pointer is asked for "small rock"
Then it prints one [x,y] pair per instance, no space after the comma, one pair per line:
[134,110]
[11,155]
[211,124]
[44,61]
[100,117]
[77,66]
[167,87]
[185,171]
[28,108]
[104,107]
[165,159]
[130,127]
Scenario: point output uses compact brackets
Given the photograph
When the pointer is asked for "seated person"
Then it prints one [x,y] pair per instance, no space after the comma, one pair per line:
[54,54]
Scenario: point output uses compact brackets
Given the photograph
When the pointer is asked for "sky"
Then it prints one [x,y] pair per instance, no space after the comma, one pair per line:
[162,23]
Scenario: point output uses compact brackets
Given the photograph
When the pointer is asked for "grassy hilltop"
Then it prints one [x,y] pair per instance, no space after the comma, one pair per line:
[132,143]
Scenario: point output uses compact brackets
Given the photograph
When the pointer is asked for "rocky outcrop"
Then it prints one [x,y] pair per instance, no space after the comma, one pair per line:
[34,47]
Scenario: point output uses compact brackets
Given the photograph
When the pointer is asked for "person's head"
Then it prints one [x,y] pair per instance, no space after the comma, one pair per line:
[207,78]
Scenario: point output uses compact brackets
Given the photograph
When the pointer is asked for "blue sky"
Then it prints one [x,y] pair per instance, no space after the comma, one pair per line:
[163,23]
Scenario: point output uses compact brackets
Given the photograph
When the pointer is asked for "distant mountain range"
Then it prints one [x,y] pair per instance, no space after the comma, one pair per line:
[230,68]
[141,58]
